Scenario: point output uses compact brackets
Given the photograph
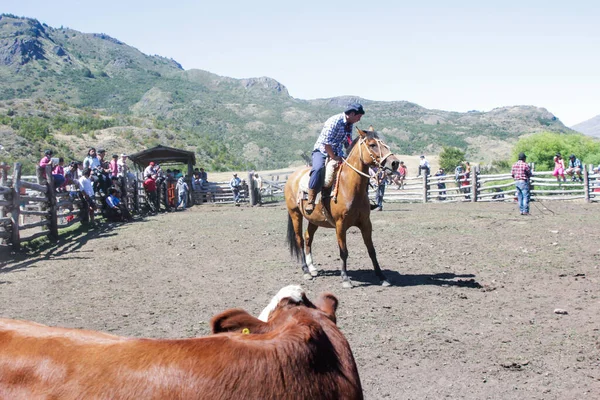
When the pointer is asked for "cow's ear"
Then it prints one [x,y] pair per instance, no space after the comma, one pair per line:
[236,320]
[328,303]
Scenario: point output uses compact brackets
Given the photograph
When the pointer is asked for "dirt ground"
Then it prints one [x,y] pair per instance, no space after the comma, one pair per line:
[470,315]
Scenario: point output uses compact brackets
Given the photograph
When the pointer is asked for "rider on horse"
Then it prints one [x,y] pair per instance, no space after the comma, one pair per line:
[336,131]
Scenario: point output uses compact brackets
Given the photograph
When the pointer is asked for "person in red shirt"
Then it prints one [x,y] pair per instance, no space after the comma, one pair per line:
[150,188]
[521,174]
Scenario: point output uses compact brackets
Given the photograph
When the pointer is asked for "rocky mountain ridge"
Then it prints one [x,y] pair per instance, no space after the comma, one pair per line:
[255,120]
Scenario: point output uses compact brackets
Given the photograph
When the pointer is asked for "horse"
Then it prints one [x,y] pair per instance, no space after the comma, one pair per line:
[349,205]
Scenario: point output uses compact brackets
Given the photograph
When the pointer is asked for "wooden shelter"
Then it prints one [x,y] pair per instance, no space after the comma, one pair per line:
[164,155]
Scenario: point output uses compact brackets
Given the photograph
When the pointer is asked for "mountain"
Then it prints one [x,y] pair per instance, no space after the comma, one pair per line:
[69,90]
[590,127]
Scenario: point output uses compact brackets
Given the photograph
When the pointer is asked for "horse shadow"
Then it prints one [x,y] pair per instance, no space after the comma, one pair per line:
[367,277]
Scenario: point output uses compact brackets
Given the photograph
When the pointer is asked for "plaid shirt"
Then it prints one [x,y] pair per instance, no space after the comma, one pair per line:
[335,132]
[521,171]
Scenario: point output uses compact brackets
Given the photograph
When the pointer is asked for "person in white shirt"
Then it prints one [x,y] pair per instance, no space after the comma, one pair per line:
[423,166]
[87,191]
[150,170]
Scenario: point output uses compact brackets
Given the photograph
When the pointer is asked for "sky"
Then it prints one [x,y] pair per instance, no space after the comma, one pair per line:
[450,55]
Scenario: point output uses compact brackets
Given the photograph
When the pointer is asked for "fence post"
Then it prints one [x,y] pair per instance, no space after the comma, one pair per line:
[3,182]
[251,187]
[15,210]
[586,184]
[474,178]
[425,188]
[136,196]
[51,195]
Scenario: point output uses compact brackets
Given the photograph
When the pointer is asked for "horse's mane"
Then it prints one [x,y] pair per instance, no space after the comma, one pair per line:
[370,135]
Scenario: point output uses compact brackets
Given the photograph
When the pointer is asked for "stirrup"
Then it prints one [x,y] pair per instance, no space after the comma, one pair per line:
[309,207]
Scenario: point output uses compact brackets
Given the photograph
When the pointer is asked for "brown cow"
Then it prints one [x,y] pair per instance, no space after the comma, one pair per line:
[299,353]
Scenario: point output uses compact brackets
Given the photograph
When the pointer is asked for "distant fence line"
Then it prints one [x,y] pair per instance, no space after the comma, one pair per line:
[32,201]
[491,187]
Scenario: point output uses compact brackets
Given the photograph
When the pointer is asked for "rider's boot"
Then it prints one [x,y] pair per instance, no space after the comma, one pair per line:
[310,203]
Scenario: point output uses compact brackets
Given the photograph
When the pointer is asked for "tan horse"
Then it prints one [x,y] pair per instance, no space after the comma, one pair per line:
[349,207]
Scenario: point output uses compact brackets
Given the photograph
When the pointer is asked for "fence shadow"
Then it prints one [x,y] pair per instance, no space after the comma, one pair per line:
[366,277]
[67,243]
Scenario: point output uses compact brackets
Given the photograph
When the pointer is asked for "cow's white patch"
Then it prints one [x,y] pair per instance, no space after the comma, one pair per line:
[294,292]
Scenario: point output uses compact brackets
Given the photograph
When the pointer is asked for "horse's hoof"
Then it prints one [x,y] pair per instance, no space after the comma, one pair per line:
[347,285]
[307,277]
[314,273]
[385,283]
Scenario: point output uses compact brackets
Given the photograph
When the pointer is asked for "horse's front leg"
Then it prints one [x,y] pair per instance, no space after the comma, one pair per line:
[341,237]
[366,229]
[309,235]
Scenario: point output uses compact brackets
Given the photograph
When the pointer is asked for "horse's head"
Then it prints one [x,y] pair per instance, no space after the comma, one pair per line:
[374,152]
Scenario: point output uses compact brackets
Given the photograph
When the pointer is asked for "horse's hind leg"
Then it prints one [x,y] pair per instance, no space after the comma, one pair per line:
[309,235]
[366,229]
[296,219]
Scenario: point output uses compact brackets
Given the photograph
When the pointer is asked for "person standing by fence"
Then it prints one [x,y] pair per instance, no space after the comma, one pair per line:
[380,179]
[235,185]
[521,174]
[182,193]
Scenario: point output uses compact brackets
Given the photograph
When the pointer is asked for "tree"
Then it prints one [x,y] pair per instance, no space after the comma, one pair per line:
[540,148]
[450,157]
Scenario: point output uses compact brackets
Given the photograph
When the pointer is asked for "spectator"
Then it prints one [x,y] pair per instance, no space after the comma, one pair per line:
[521,174]
[559,168]
[423,166]
[182,193]
[72,174]
[87,193]
[380,180]
[59,179]
[151,194]
[441,184]
[91,161]
[575,168]
[235,185]
[196,186]
[102,173]
[258,184]
[203,176]
[400,175]
[59,173]
[116,210]
[113,165]
[150,170]
[122,167]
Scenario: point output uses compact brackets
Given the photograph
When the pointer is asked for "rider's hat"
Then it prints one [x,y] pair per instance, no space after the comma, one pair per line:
[356,107]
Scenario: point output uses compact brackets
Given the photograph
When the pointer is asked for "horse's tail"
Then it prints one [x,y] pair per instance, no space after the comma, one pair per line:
[291,239]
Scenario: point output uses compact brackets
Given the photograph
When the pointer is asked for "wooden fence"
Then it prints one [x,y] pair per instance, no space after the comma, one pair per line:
[491,187]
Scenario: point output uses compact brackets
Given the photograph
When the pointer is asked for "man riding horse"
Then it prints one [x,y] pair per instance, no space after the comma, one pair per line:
[336,131]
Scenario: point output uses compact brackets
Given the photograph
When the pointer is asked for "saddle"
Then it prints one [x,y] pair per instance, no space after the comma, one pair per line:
[331,167]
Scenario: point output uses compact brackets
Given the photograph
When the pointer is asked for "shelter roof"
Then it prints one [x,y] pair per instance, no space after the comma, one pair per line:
[163,155]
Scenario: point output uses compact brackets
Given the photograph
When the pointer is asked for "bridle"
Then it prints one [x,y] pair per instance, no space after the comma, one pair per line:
[380,144]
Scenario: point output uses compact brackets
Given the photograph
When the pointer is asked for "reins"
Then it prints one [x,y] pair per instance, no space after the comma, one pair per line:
[362,141]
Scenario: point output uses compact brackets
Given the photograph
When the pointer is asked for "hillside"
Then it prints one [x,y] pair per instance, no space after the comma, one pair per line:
[590,127]
[67,89]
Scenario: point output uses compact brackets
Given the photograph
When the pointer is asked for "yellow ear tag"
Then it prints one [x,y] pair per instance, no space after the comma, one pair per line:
[245,331]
